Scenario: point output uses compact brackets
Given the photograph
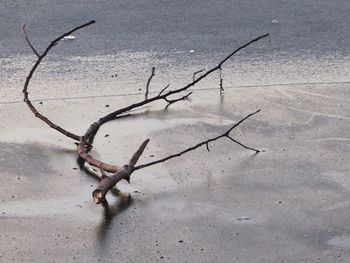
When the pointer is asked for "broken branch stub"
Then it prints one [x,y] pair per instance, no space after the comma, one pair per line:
[112,174]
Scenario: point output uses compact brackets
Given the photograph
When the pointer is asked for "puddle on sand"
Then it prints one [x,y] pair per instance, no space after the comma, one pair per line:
[340,241]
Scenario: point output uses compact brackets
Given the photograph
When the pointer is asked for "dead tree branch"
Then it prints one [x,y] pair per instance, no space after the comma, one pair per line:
[176,100]
[148,82]
[164,96]
[93,129]
[30,75]
[112,174]
[28,41]
[160,93]
[206,142]
[197,72]
[108,182]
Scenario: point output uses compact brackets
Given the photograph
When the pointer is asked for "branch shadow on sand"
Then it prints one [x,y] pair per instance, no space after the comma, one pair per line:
[110,212]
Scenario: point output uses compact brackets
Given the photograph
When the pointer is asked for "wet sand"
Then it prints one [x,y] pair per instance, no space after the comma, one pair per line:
[289,203]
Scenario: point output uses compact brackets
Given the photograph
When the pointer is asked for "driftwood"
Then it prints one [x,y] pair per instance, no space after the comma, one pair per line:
[112,174]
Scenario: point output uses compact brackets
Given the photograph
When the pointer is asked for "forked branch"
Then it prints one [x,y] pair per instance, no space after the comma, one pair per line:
[206,143]
[109,181]
[30,75]
[112,174]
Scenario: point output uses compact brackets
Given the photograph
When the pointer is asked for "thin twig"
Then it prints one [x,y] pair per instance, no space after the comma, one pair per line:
[30,75]
[148,82]
[160,93]
[225,134]
[28,41]
[244,146]
[176,100]
[197,72]
[85,142]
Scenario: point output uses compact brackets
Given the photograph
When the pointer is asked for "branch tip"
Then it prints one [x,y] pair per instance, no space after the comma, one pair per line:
[207,145]
[148,82]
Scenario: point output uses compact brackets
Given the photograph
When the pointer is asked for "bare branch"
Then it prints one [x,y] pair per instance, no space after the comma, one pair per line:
[103,173]
[138,153]
[108,182]
[160,93]
[241,47]
[83,153]
[176,100]
[28,41]
[117,173]
[148,82]
[114,114]
[207,145]
[244,146]
[91,132]
[197,72]
[225,134]
[30,75]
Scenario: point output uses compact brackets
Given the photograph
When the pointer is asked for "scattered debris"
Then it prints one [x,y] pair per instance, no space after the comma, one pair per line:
[70,37]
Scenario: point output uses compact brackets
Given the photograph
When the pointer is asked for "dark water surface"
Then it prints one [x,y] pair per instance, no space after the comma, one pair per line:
[164,26]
